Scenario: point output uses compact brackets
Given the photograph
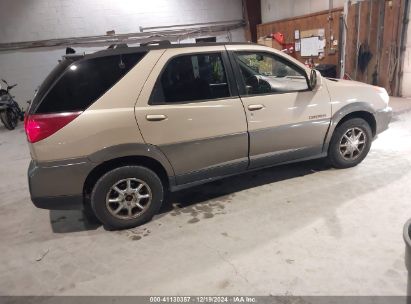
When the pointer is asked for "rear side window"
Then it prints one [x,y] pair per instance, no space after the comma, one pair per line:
[48,82]
[83,82]
[188,78]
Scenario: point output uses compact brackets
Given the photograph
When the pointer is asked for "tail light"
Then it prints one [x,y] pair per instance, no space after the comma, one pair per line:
[41,126]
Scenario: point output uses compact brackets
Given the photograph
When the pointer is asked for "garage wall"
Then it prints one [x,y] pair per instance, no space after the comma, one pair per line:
[27,20]
[406,80]
[374,31]
[272,10]
[309,22]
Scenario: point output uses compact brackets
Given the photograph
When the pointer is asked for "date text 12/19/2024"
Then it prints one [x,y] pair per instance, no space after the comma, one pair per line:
[203,299]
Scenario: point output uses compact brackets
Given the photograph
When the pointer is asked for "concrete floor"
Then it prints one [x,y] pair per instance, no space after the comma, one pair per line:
[301,229]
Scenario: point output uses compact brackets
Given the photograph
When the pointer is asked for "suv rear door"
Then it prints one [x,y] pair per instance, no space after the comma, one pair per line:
[190,109]
[286,120]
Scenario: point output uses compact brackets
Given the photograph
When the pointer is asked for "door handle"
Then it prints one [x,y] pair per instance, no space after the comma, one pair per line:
[156,117]
[255,107]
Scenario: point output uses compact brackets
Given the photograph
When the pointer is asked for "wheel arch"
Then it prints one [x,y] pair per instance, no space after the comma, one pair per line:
[356,110]
[125,155]
[367,116]
[111,164]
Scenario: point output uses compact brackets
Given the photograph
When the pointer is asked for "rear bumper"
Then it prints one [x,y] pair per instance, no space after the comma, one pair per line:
[58,185]
[383,119]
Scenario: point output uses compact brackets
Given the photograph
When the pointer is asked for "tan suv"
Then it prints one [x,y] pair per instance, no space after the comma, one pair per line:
[116,129]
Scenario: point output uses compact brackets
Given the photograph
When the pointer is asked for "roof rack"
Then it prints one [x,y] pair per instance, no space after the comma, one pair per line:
[158,42]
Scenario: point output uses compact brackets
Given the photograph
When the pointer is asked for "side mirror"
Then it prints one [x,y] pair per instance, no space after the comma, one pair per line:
[315,79]
[248,89]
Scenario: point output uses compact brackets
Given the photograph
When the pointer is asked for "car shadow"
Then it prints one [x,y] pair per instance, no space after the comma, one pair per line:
[229,185]
[69,221]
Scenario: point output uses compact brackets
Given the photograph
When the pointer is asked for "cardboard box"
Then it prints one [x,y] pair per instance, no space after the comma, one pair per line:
[272,43]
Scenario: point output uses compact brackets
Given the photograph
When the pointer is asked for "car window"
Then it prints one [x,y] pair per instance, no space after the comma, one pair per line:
[85,81]
[195,77]
[265,73]
[48,82]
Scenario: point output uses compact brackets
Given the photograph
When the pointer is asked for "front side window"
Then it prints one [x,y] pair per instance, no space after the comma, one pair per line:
[188,78]
[264,73]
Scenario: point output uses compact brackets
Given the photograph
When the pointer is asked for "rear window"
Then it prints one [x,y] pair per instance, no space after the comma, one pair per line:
[83,82]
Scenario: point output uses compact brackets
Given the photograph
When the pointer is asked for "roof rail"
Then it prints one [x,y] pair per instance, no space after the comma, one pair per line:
[158,42]
[73,56]
[118,46]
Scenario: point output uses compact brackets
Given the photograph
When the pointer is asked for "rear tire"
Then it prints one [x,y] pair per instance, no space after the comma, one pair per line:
[9,119]
[127,197]
[2,116]
[350,143]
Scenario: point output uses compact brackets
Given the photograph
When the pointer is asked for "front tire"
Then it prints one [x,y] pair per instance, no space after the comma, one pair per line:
[127,197]
[350,143]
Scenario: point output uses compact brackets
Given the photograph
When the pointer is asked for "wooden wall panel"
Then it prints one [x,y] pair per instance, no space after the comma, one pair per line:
[376,23]
[307,22]
[363,22]
[351,40]
[390,49]
[372,67]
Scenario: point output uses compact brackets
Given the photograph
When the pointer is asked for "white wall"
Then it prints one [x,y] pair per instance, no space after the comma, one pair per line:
[272,10]
[26,20]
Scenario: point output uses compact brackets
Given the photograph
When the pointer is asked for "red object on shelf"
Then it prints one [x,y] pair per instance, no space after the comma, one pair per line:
[279,37]
[279,43]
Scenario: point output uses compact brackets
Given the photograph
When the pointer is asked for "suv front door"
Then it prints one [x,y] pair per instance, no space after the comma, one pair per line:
[190,109]
[286,120]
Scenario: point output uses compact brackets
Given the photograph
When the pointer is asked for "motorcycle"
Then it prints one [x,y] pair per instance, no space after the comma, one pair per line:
[10,112]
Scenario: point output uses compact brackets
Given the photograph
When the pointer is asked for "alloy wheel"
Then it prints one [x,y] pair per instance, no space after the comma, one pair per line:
[352,143]
[128,198]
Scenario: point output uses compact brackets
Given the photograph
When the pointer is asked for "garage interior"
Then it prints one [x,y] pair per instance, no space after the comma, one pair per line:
[300,229]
